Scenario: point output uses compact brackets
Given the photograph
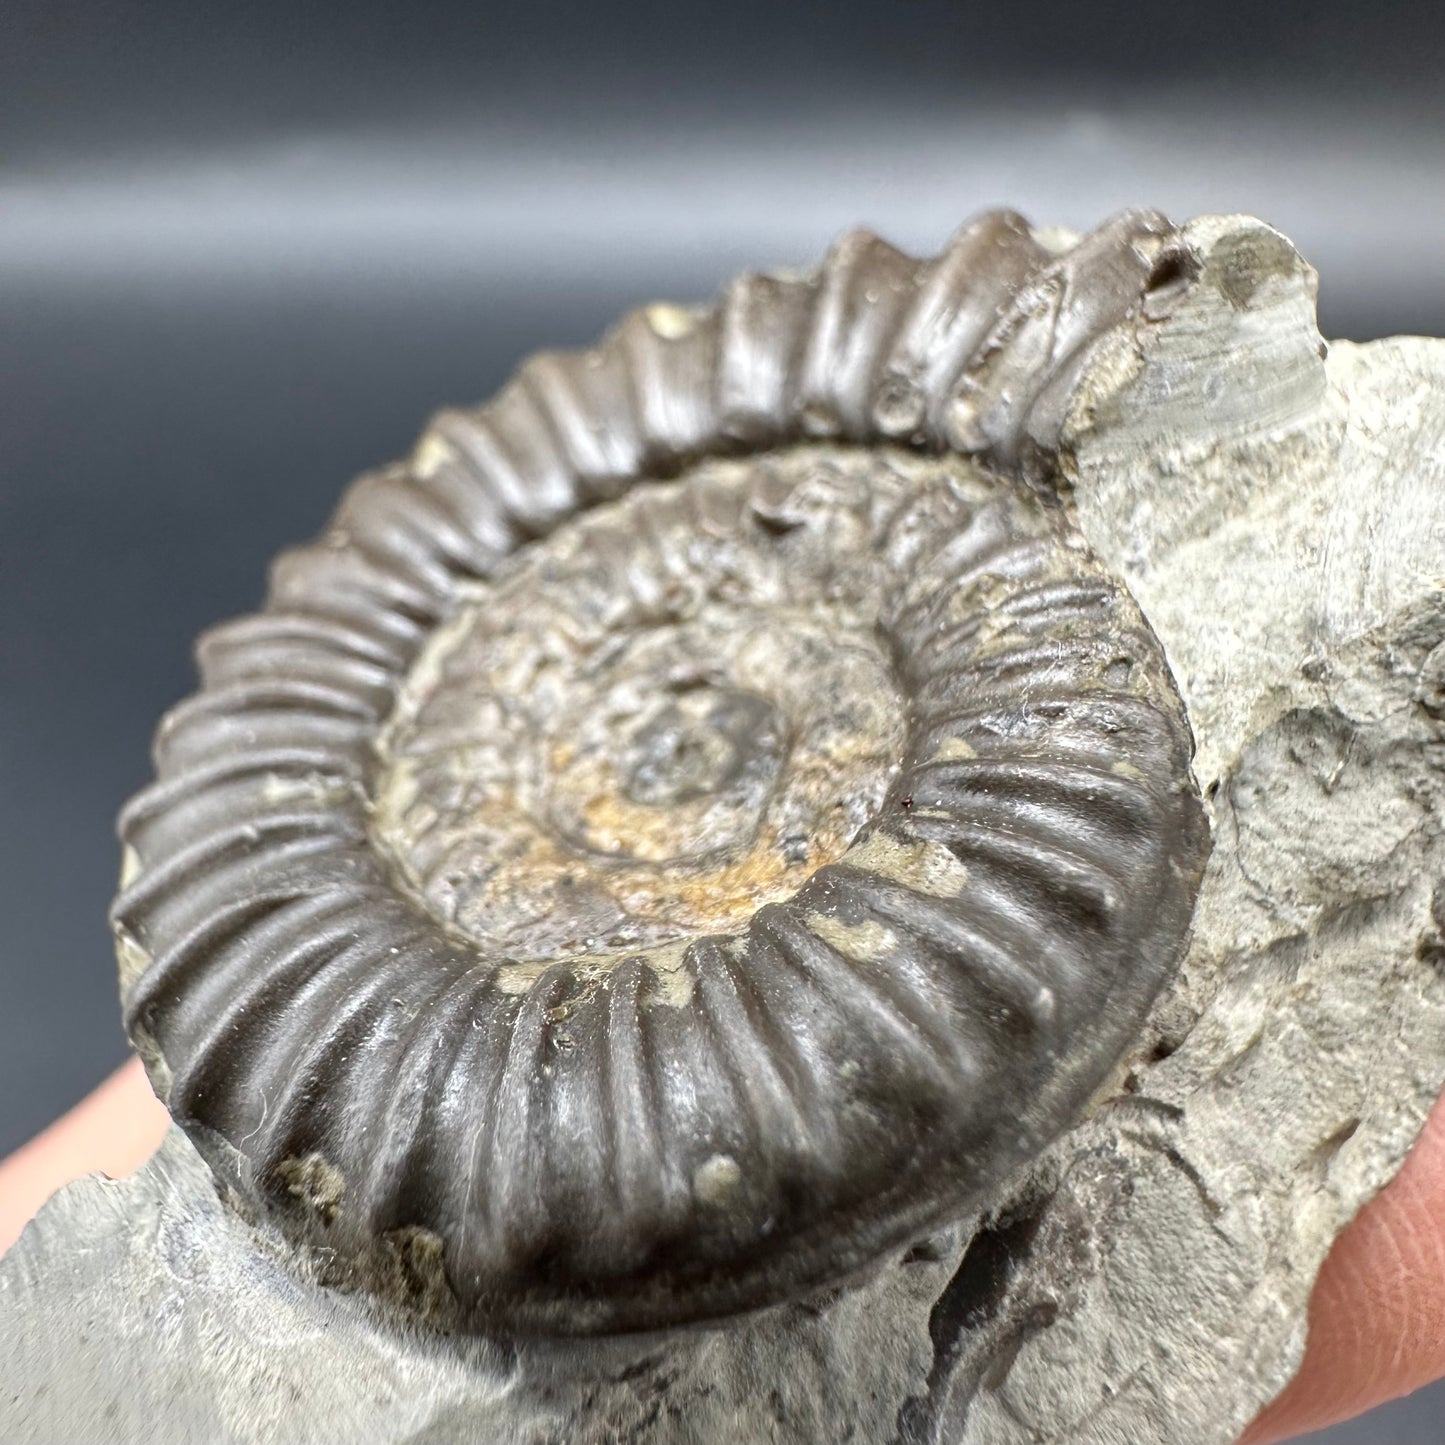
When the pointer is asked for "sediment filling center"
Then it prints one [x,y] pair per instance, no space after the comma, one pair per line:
[659,718]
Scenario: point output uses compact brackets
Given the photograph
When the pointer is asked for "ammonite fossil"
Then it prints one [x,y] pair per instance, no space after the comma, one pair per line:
[695,827]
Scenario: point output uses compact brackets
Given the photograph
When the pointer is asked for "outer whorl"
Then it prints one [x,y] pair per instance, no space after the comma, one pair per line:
[577,923]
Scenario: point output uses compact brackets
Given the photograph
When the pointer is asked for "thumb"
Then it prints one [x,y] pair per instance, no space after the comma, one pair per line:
[1377,1316]
[115,1129]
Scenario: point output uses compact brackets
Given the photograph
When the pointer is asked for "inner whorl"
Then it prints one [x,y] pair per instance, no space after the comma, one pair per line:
[702,822]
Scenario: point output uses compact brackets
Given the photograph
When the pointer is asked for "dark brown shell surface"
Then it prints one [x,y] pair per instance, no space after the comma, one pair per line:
[699,824]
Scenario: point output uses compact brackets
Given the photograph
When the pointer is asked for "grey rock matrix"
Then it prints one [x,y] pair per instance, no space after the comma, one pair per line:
[1277,509]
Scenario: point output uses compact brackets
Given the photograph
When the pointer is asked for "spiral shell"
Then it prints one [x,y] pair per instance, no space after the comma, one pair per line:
[574,905]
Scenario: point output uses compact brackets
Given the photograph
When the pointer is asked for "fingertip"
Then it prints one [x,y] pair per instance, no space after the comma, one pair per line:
[1377,1315]
[114,1130]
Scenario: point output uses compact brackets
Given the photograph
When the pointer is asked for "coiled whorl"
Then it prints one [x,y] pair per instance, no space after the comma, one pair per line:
[583,923]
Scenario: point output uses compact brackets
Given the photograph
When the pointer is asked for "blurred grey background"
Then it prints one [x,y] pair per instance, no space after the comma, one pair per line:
[245,249]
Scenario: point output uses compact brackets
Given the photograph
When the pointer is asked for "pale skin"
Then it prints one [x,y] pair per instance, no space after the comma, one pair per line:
[1377,1317]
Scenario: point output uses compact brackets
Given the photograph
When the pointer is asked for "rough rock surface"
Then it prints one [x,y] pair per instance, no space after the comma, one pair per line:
[1279,513]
